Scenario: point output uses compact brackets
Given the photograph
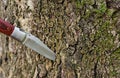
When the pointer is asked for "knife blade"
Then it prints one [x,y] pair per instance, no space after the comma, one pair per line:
[27,39]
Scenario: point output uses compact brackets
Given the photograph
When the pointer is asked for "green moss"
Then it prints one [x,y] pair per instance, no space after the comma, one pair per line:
[117,52]
[87,14]
[105,26]
[79,3]
[110,12]
[114,73]
[104,39]
[101,9]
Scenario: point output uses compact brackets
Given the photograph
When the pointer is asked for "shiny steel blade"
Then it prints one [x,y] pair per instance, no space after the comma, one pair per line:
[35,44]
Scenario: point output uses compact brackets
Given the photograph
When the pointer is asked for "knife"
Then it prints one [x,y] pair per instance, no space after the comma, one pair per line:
[27,39]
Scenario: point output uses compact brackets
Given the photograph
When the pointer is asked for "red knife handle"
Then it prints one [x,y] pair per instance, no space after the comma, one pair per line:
[6,27]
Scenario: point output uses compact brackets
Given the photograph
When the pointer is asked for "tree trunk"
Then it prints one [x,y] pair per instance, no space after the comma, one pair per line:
[84,34]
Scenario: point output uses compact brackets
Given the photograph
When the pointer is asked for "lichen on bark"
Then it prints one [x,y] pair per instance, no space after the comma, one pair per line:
[84,34]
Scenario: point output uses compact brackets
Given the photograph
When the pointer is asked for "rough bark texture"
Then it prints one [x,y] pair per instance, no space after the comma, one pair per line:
[84,34]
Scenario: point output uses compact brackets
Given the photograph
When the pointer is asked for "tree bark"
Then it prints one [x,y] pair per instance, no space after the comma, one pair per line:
[84,34]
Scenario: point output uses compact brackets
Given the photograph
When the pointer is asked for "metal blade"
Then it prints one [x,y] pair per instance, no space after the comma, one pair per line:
[35,44]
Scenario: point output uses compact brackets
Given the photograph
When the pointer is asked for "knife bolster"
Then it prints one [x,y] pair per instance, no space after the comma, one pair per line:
[18,34]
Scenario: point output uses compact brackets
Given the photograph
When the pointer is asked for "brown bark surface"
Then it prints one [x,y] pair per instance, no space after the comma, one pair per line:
[84,34]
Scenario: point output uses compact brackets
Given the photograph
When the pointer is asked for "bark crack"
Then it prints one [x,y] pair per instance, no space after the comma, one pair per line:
[95,69]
